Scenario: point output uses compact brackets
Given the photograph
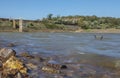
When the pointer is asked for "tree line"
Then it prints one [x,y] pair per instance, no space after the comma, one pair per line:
[64,23]
[85,22]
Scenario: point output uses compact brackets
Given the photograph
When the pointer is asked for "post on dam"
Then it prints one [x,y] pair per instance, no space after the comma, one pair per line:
[20,25]
[14,23]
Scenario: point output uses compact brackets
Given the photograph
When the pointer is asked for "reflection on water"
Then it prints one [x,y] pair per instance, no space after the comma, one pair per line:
[63,43]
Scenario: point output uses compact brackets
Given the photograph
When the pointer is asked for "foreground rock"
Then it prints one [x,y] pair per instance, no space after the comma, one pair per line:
[11,65]
[14,63]
[6,53]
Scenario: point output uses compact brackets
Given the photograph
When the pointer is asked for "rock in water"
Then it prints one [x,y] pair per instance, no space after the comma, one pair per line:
[53,67]
[50,70]
[11,45]
[31,66]
[27,55]
[6,53]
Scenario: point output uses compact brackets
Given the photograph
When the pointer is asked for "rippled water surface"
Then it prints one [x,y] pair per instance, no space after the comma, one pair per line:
[63,43]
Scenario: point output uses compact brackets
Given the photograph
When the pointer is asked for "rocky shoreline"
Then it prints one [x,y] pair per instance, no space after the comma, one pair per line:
[26,65]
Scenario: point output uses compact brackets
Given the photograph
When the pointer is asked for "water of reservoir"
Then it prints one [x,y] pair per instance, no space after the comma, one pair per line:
[63,43]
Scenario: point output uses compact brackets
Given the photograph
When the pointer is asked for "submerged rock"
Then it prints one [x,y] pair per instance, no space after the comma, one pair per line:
[11,45]
[56,66]
[26,54]
[31,66]
[50,70]
[53,67]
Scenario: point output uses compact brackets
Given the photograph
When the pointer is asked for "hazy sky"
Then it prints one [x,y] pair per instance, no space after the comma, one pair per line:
[36,9]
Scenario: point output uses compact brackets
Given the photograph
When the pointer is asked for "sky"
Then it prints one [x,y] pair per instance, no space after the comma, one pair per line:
[37,9]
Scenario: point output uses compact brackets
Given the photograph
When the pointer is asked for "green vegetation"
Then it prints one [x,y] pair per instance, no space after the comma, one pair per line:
[70,23]
[88,22]
[5,25]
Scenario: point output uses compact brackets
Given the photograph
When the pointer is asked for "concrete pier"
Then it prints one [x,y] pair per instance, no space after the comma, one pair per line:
[20,25]
[14,23]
